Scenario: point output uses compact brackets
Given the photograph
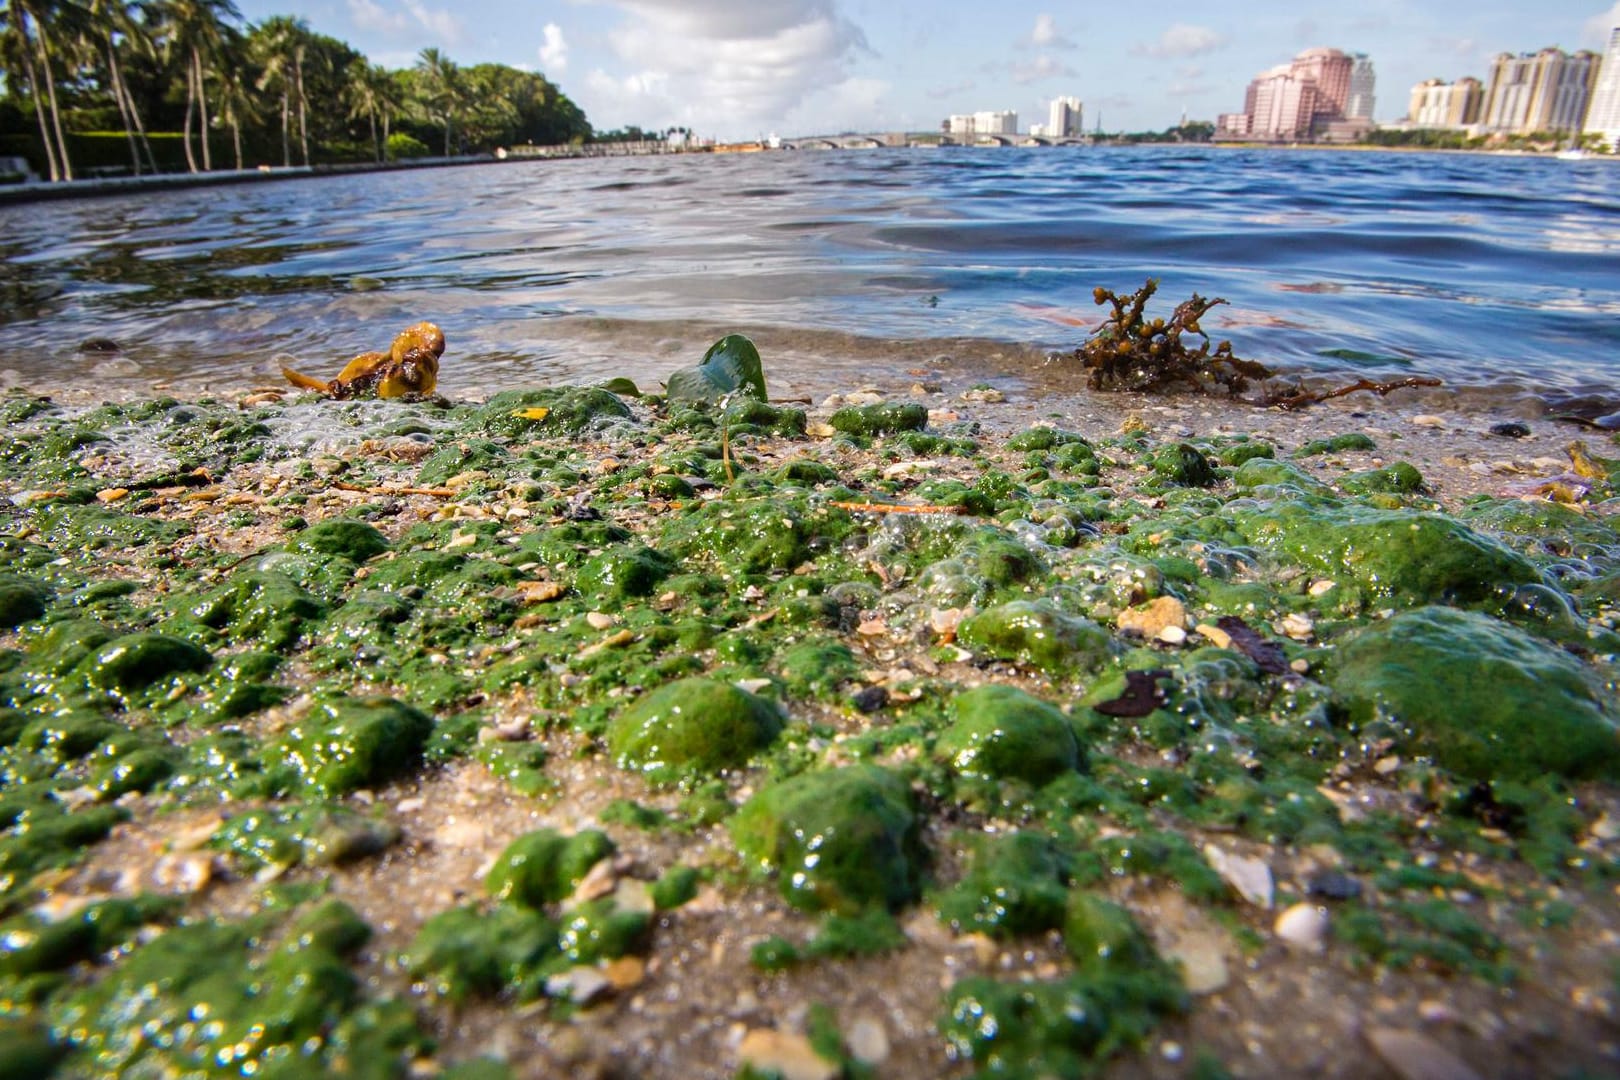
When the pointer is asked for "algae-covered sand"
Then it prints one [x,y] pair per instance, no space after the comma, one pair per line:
[926,731]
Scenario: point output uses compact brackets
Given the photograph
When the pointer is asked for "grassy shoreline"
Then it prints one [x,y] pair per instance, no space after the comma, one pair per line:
[479,707]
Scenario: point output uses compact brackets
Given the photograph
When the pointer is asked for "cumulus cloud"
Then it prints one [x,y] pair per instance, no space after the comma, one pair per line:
[553,49]
[1046,34]
[940,93]
[1183,39]
[726,67]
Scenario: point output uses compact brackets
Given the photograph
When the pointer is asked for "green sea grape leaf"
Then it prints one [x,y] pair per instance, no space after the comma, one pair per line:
[730,366]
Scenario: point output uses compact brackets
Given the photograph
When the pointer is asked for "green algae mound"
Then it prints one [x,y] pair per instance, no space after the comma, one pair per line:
[1000,732]
[1391,556]
[1035,633]
[731,366]
[136,661]
[353,540]
[839,839]
[1014,884]
[464,953]
[353,743]
[22,599]
[545,866]
[690,728]
[1481,697]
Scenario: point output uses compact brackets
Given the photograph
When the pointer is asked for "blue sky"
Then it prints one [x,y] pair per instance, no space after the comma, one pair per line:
[737,69]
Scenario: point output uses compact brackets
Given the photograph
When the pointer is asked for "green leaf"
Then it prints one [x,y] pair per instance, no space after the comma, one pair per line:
[730,366]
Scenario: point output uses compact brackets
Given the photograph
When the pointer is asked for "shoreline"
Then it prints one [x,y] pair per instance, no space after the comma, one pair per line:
[399,639]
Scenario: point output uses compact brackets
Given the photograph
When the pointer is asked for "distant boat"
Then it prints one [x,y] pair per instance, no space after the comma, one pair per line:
[1574,153]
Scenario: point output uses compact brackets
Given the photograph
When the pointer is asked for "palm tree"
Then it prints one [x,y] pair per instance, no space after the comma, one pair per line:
[108,22]
[440,88]
[195,31]
[282,44]
[238,103]
[16,50]
[29,46]
[370,93]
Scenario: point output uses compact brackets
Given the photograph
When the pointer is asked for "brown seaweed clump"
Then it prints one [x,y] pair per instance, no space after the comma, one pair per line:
[1132,352]
[410,368]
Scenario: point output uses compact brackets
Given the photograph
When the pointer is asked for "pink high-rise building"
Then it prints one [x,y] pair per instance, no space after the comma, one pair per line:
[1296,99]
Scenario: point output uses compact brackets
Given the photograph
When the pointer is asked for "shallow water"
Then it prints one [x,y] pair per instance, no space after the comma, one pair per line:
[1494,273]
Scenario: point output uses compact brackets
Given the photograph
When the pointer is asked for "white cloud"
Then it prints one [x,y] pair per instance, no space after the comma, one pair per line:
[1598,27]
[441,23]
[1182,39]
[369,15]
[1042,67]
[553,50]
[1046,34]
[730,68]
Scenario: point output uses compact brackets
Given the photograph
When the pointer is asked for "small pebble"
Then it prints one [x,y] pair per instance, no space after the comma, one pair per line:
[1332,885]
[868,1041]
[869,699]
[599,620]
[1303,927]
[1413,1056]
[1511,430]
[1250,877]
[1429,420]
[784,1052]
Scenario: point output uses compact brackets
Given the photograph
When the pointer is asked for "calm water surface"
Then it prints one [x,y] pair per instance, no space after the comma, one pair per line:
[1500,275]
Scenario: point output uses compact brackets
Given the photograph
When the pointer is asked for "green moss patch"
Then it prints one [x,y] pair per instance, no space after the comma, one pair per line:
[691,728]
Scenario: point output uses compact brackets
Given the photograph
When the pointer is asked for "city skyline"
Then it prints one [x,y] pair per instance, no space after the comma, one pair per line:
[733,69]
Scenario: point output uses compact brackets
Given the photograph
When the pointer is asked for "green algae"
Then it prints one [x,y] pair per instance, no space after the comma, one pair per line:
[1397,557]
[1400,478]
[816,667]
[314,834]
[678,885]
[137,661]
[22,599]
[692,728]
[544,866]
[350,743]
[1014,884]
[1001,732]
[1336,444]
[881,418]
[624,572]
[267,1009]
[1038,634]
[343,537]
[599,930]
[466,952]
[1481,697]
[259,606]
[1183,465]
[837,839]
[1264,472]
[568,410]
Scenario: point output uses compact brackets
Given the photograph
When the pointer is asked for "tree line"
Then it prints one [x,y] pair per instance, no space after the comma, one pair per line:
[114,85]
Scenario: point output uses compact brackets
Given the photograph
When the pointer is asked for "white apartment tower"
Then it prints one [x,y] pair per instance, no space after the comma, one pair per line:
[1065,119]
[1359,105]
[1603,115]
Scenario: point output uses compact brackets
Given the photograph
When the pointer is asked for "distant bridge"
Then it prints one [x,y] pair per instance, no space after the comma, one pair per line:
[869,142]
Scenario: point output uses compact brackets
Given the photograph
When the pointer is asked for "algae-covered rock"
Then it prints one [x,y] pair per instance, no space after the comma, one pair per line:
[554,410]
[464,952]
[1264,471]
[1481,697]
[545,866]
[1000,732]
[816,667]
[1034,632]
[837,839]
[1391,556]
[353,743]
[1183,465]
[1014,884]
[881,418]
[353,540]
[624,571]
[1100,934]
[693,727]
[1401,478]
[22,599]
[731,366]
[1337,444]
[263,607]
[136,661]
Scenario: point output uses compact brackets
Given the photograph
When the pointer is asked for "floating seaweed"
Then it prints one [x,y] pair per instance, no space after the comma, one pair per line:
[410,368]
[1132,352]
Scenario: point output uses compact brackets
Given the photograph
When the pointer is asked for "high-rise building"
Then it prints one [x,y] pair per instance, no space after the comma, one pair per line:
[1438,104]
[1603,114]
[982,123]
[1064,120]
[1309,95]
[1544,91]
[1359,106]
